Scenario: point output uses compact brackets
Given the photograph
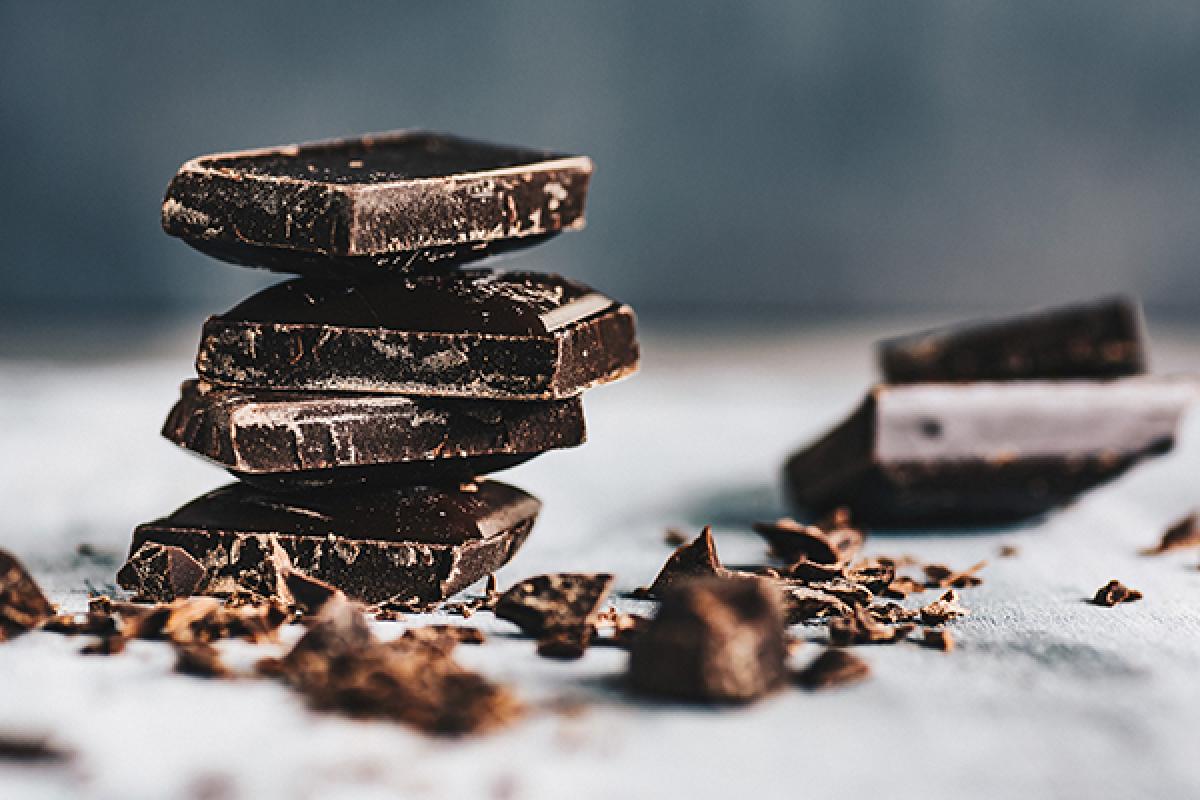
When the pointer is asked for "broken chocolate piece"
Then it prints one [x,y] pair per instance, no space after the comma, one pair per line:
[419,541]
[29,748]
[1115,592]
[22,605]
[714,640]
[1182,535]
[1011,551]
[308,593]
[445,637]
[902,586]
[803,603]
[200,659]
[697,559]
[791,541]
[558,610]
[862,627]
[471,333]
[674,537]
[942,610]
[939,576]
[1100,339]
[938,639]
[339,665]
[958,454]
[293,440]
[373,204]
[834,667]
[160,573]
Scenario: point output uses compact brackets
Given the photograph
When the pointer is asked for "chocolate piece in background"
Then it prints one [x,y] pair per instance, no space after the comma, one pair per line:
[559,610]
[309,594]
[22,605]
[292,440]
[1099,339]
[938,639]
[1115,592]
[717,639]
[418,541]
[1183,535]
[471,333]
[792,541]
[159,573]
[958,454]
[942,610]
[373,204]
[697,559]
[834,667]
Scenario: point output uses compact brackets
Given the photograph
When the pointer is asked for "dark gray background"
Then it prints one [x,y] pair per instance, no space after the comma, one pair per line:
[750,157]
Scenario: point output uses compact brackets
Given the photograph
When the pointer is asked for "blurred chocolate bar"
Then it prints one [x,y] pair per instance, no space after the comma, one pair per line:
[368,205]
[938,454]
[414,542]
[1100,339]
[470,333]
[297,440]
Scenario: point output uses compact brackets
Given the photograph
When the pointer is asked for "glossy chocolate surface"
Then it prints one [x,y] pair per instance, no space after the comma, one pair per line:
[1100,339]
[374,204]
[950,454]
[472,333]
[293,440]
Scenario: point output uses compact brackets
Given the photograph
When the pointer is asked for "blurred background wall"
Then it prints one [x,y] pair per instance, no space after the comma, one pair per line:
[798,158]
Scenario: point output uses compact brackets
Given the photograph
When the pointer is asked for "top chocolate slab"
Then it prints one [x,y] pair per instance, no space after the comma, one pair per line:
[1100,339]
[380,202]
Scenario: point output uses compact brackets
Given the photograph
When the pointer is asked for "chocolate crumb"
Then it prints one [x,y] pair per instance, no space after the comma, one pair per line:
[834,667]
[1115,592]
[1182,535]
[109,645]
[22,605]
[938,639]
[28,748]
[902,586]
[389,615]
[200,659]
[939,576]
[674,537]
[444,637]
[1008,551]
[893,613]
[942,610]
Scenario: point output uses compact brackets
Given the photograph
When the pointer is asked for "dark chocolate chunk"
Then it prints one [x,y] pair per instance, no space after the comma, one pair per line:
[22,605]
[716,639]
[939,576]
[200,659]
[1184,534]
[697,559]
[160,573]
[938,639]
[1100,339]
[942,610]
[419,541]
[374,204]
[1115,592]
[559,610]
[29,748]
[293,440]
[308,593]
[791,541]
[834,667]
[339,665]
[472,333]
[862,627]
[951,454]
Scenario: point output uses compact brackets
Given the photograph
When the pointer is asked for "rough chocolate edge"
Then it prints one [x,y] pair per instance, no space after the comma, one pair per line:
[602,349]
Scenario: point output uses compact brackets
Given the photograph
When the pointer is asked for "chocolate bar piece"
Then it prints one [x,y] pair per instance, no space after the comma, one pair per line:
[714,639]
[471,333]
[376,203]
[1100,339]
[161,574]
[373,544]
[947,454]
[290,440]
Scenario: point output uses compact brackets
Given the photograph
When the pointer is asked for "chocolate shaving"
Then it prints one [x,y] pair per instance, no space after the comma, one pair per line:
[902,586]
[938,639]
[939,576]
[1115,592]
[861,627]
[161,573]
[942,610]
[791,540]
[834,667]
[803,603]
[1182,535]
[893,613]
[22,605]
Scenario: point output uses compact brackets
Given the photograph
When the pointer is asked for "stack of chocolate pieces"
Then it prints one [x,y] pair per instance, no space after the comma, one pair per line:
[995,421]
[359,403]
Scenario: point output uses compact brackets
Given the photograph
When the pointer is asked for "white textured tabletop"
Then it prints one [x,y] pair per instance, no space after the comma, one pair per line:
[1047,696]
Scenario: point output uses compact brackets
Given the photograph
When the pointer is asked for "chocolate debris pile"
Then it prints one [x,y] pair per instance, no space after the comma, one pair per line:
[359,404]
[995,421]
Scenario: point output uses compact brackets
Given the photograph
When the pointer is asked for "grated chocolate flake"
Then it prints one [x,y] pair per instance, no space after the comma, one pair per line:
[834,667]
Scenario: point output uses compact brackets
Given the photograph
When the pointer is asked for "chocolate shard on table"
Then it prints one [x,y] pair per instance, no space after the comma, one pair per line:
[160,573]
[292,440]
[374,544]
[23,606]
[374,204]
[1100,339]
[471,333]
[559,610]
[956,454]
[714,639]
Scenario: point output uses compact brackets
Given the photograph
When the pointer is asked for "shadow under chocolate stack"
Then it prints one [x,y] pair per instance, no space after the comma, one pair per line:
[359,403]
